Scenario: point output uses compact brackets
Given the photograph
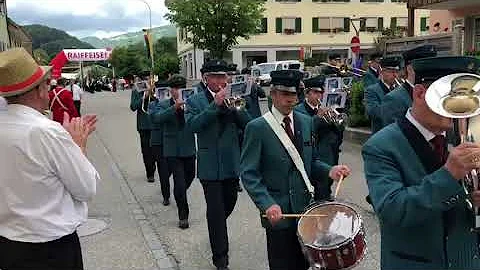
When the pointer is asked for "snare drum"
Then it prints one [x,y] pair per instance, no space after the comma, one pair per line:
[336,241]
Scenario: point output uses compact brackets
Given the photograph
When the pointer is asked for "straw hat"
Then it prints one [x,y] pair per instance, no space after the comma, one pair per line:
[19,73]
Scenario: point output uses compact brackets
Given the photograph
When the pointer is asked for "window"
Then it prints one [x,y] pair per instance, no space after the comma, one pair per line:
[371,24]
[424,24]
[263,26]
[398,1]
[330,25]
[476,38]
[288,26]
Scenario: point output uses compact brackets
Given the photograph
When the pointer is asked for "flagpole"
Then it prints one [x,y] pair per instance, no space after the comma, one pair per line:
[149,33]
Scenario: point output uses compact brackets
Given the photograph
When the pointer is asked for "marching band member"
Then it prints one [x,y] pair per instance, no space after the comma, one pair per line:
[375,93]
[218,153]
[139,103]
[158,145]
[396,103]
[270,176]
[373,71]
[329,136]
[414,184]
[179,145]
[253,106]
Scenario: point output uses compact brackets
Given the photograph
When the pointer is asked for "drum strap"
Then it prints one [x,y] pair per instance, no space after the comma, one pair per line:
[290,147]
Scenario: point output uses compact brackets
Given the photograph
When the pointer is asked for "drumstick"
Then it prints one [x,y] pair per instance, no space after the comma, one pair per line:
[337,189]
[299,215]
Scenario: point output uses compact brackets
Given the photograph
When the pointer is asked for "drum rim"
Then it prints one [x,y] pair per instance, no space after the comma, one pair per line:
[350,238]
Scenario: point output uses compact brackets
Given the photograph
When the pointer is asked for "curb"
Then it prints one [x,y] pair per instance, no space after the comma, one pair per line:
[163,260]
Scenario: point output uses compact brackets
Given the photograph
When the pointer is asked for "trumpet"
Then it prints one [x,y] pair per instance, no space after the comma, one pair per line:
[148,95]
[237,103]
[332,116]
[345,68]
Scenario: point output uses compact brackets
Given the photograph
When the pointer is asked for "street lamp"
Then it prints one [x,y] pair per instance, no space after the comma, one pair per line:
[150,29]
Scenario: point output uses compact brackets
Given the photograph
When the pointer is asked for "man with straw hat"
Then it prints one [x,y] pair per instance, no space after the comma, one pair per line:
[46,178]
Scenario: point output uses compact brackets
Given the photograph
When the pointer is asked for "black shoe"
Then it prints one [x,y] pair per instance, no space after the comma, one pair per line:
[183,224]
[151,179]
[166,202]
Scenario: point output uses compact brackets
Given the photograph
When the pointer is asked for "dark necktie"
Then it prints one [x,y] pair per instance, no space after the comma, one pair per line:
[315,111]
[438,143]
[288,128]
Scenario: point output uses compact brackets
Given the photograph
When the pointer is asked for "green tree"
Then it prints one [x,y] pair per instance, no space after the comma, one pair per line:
[41,57]
[216,25]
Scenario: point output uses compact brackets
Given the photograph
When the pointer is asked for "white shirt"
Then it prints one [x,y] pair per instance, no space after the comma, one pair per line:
[311,106]
[45,178]
[279,116]
[427,134]
[76,91]
[211,92]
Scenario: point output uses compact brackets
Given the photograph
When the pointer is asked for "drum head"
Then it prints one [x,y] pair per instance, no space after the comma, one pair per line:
[340,224]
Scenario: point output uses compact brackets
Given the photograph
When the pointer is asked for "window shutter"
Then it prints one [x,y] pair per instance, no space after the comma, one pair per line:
[393,23]
[423,24]
[346,25]
[278,25]
[315,28]
[380,24]
[298,25]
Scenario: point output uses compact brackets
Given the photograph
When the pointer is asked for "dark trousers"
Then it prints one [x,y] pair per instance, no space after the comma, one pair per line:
[77,104]
[284,250]
[221,197]
[61,254]
[183,169]
[164,171]
[147,152]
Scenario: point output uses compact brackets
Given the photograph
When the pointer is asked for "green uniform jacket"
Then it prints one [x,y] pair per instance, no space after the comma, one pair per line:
[143,120]
[374,95]
[179,139]
[370,78]
[156,137]
[253,107]
[417,202]
[217,131]
[395,104]
[269,174]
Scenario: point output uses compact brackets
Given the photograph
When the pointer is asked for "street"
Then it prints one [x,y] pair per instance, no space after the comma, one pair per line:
[143,234]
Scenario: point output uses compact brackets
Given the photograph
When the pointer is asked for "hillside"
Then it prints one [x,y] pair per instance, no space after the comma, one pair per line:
[52,40]
[130,38]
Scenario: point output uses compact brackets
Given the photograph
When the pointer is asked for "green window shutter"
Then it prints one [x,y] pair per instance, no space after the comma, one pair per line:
[346,25]
[393,23]
[315,28]
[264,25]
[380,24]
[298,25]
[423,24]
[278,25]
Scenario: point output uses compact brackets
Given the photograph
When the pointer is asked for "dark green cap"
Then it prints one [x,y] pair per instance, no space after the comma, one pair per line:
[177,81]
[428,70]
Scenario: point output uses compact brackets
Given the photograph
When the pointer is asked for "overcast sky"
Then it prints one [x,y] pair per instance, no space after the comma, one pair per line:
[81,18]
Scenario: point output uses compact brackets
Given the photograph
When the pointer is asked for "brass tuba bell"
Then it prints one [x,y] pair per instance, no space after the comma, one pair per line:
[456,96]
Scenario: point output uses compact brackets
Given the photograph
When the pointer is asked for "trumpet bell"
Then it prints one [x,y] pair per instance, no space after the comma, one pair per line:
[455,96]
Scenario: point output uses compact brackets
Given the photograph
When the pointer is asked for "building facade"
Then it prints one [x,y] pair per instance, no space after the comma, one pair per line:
[293,29]
[4,38]
[446,14]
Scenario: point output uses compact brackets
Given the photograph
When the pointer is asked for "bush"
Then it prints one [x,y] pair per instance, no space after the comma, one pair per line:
[357,115]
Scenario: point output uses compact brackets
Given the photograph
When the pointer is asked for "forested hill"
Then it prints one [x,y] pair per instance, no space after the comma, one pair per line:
[52,40]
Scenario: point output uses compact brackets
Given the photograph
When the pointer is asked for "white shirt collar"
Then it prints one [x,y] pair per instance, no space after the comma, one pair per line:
[388,87]
[24,110]
[427,134]
[211,92]
[279,116]
[311,106]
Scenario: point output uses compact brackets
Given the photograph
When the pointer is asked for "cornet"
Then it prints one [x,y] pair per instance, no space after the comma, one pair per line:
[237,103]
[332,116]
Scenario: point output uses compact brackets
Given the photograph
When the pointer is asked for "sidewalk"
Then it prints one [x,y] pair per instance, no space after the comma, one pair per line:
[128,242]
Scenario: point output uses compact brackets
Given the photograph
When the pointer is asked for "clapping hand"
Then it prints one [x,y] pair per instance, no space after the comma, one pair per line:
[80,128]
